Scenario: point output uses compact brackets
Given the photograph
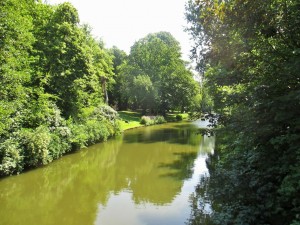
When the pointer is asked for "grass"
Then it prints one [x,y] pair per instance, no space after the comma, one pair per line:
[170,117]
[130,119]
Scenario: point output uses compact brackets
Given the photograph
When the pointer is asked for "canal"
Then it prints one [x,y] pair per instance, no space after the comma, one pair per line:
[143,177]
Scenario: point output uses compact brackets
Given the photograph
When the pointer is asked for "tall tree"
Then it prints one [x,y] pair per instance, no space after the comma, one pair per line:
[48,65]
[15,75]
[114,93]
[74,66]
[156,61]
[15,45]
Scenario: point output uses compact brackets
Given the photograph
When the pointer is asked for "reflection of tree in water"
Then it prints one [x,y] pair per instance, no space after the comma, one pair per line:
[69,190]
[145,174]
[182,168]
[200,204]
[177,134]
[154,171]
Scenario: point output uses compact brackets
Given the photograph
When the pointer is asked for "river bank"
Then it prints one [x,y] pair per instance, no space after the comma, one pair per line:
[131,119]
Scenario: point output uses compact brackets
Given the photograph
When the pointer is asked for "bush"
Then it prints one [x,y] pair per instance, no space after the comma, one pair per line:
[107,112]
[102,112]
[79,137]
[146,120]
[96,124]
[151,120]
[11,157]
[179,117]
[53,136]
[159,120]
[36,146]
[60,142]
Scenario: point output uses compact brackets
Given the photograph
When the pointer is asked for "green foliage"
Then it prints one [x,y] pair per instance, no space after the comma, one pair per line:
[146,120]
[15,44]
[151,120]
[96,124]
[155,77]
[12,157]
[159,120]
[248,52]
[70,64]
[53,79]
[179,117]
[66,13]
[116,99]
[36,144]
[88,133]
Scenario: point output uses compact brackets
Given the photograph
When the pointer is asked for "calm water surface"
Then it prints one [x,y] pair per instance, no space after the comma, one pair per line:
[144,177]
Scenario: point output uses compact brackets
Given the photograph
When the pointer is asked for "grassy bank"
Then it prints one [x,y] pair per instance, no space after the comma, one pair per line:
[130,119]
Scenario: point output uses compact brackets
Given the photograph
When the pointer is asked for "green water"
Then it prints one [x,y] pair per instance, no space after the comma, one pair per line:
[143,177]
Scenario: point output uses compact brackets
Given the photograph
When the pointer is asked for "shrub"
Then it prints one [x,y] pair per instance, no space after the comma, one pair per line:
[60,142]
[11,157]
[52,136]
[79,137]
[179,117]
[107,112]
[33,139]
[36,146]
[151,120]
[159,120]
[146,120]
[102,112]
[96,124]
[97,131]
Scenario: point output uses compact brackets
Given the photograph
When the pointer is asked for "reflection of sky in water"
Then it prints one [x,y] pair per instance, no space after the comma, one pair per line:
[200,123]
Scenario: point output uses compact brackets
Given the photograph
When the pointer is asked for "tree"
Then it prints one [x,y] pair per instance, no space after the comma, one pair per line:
[250,59]
[15,45]
[100,71]
[114,90]
[15,74]
[49,64]
[156,59]
[60,62]
[74,67]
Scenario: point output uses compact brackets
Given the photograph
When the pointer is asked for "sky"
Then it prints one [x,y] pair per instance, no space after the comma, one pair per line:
[122,22]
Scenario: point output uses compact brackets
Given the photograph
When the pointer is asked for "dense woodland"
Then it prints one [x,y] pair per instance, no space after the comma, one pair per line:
[249,54]
[57,82]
